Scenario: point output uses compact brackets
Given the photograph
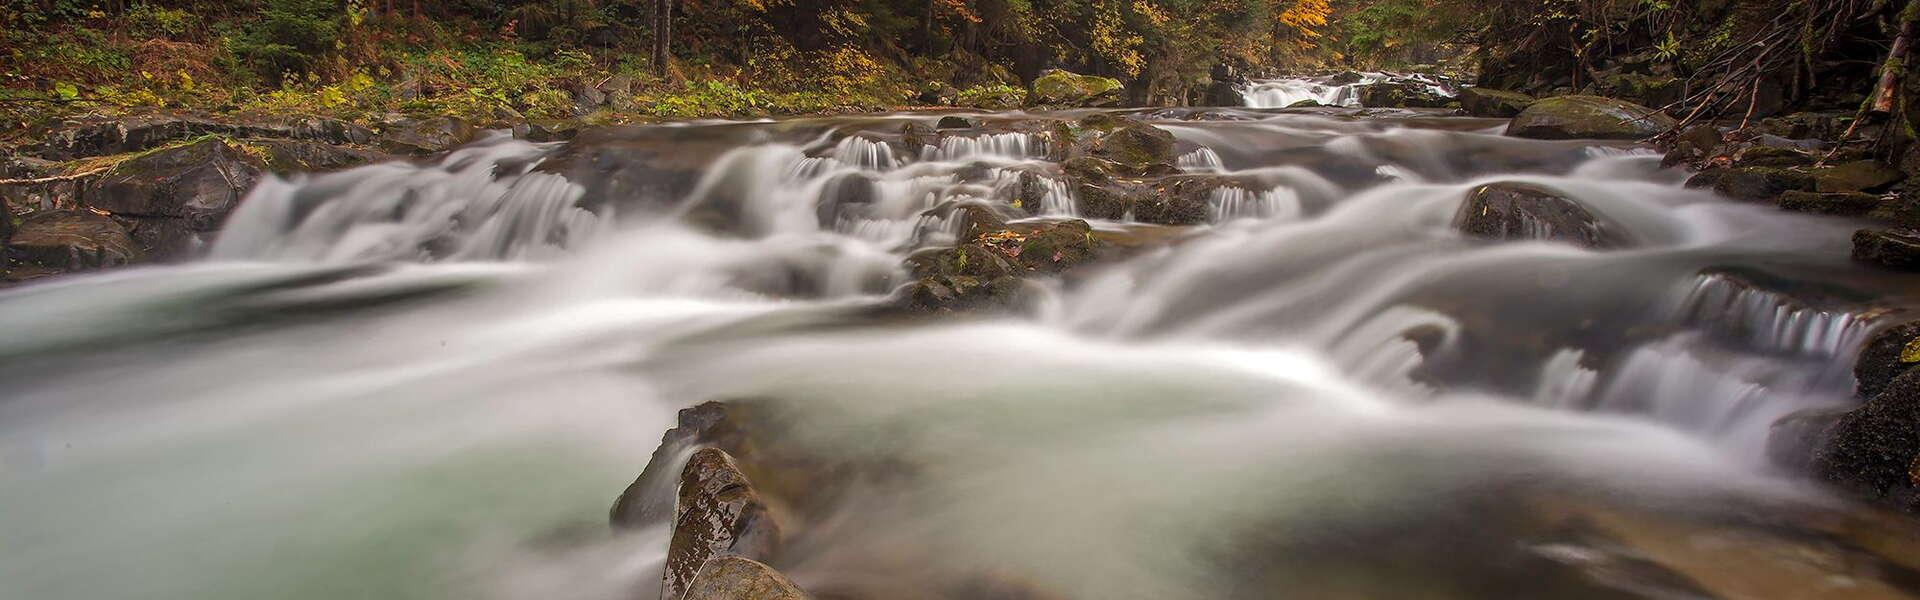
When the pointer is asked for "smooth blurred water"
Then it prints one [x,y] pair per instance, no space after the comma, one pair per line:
[430,380]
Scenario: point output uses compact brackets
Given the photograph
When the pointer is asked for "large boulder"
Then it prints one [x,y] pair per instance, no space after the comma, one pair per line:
[1489,102]
[716,424]
[1897,249]
[1856,176]
[177,196]
[69,240]
[1401,94]
[740,578]
[1136,149]
[1759,184]
[1874,450]
[1587,117]
[718,513]
[1059,87]
[1512,211]
[1847,204]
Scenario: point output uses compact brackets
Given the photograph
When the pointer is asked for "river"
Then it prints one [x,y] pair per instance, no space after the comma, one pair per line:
[430,380]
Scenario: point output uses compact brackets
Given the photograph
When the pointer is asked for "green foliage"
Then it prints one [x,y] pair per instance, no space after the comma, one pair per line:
[290,37]
[992,96]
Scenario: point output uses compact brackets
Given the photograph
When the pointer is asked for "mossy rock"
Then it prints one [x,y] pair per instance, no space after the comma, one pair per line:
[1058,247]
[1892,249]
[1588,117]
[1307,103]
[1058,87]
[1772,156]
[1401,94]
[1111,201]
[1518,211]
[1489,102]
[1137,149]
[1856,176]
[1760,184]
[1846,204]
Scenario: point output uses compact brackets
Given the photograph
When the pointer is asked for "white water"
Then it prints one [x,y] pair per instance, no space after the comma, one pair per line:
[430,381]
[1285,92]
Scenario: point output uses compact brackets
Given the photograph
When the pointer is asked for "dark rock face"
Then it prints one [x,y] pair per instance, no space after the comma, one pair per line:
[1513,211]
[1486,102]
[1897,249]
[1695,144]
[71,240]
[1848,204]
[1793,440]
[1889,353]
[740,578]
[427,136]
[1760,184]
[1587,117]
[718,514]
[1875,449]
[299,156]
[196,185]
[104,136]
[954,122]
[1177,201]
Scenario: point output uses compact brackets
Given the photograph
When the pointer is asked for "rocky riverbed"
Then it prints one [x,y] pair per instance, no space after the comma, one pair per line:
[1454,343]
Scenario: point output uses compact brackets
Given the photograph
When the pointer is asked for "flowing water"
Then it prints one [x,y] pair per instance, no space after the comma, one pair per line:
[429,380]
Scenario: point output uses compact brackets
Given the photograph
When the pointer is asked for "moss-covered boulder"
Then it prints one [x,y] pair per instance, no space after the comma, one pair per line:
[1856,176]
[1401,94]
[1759,184]
[1773,156]
[1489,102]
[1137,149]
[1846,204]
[1897,249]
[1058,247]
[1058,87]
[1587,117]
[1519,211]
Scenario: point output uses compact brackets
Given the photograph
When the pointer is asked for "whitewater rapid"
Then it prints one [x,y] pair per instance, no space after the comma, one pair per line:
[429,380]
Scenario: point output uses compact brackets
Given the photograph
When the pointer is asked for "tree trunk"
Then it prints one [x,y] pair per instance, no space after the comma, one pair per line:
[662,35]
[1884,92]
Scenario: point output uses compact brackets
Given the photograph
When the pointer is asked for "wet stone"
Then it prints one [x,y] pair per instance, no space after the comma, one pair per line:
[71,240]
[1889,248]
[1588,117]
[740,578]
[1513,211]
[718,513]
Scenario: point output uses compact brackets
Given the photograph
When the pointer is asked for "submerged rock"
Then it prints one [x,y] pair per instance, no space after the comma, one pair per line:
[718,514]
[740,578]
[954,122]
[1588,117]
[1793,439]
[1517,211]
[1489,102]
[1059,87]
[705,424]
[71,240]
[1897,249]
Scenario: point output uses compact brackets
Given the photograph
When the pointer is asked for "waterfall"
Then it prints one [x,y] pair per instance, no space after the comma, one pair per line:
[1770,320]
[1203,160]
[482,203]
[1012,145]
[1230,203]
